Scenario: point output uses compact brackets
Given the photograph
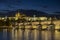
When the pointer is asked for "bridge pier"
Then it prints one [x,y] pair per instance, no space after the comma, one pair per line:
[51,26]
[39,27]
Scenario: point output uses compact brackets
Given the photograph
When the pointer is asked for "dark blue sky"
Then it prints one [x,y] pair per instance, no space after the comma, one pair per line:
[48,6]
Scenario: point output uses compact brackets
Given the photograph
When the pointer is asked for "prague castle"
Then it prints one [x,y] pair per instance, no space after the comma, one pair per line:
[44,21]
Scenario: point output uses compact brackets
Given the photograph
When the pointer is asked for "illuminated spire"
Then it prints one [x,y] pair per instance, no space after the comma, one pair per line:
[17,15]
[34,17]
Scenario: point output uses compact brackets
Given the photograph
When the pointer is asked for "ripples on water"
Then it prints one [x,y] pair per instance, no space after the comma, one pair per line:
[29,35]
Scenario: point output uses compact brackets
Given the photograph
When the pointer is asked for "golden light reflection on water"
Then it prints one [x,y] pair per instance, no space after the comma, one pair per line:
[57,37]
[31,35]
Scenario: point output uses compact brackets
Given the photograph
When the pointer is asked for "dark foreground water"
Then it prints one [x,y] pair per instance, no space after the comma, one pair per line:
[29,35]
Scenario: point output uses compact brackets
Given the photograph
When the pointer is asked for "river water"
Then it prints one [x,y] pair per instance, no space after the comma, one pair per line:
[29,35]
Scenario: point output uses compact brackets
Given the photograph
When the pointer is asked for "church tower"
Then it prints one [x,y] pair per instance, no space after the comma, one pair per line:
[17,16]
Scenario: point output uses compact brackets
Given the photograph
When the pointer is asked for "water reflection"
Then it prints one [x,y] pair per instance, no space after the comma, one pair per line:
[29,35]
[5,34]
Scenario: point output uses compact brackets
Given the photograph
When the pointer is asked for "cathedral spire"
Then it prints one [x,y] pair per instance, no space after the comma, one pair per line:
[17,15]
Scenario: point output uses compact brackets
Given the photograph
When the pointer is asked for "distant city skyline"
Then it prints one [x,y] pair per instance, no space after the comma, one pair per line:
[47,6]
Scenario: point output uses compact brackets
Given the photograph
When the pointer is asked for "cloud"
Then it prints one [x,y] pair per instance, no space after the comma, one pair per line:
[11,2]
[6,4]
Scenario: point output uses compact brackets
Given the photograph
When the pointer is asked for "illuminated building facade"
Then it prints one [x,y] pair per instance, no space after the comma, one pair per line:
[44,20]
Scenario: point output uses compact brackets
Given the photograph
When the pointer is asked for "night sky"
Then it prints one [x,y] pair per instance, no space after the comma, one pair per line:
[48,6]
